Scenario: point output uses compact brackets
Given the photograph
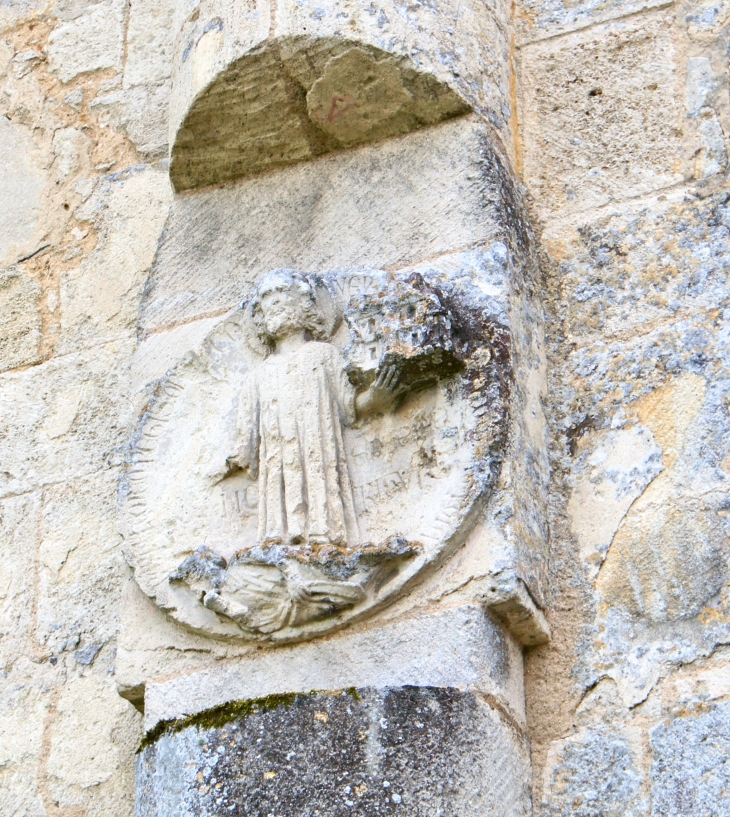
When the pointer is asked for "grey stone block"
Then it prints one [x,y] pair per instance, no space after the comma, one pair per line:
[417,751]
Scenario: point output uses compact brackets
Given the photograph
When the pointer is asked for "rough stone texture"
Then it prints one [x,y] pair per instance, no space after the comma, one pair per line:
[602,115]
[256,70]
[90,38]
[461,647]
[636,284]
[638,292]
[21,188]
[416,750]
[407,200]
[20,318]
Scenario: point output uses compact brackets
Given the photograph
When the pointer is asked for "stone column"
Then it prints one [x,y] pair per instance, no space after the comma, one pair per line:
[365,658]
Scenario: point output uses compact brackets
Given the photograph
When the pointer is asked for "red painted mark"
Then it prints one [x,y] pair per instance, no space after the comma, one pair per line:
[340,105]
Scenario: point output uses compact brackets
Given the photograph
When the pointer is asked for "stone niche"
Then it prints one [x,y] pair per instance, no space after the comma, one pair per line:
[333,505]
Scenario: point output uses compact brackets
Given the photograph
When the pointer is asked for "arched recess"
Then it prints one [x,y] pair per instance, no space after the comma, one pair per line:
[296,98]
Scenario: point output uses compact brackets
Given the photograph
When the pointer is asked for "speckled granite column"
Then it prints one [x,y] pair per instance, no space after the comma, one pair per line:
[416,751]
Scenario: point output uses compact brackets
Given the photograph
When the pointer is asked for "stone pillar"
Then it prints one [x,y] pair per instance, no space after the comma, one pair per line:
[334,496]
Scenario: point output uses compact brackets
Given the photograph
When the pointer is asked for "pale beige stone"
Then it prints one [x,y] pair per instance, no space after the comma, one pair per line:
[89,41]
[80,564]
[601,118]
[26,693]
[619,467]
[309,427]
[667,561]
[90,736]
[711,157]
[423,198]
[74,417]
[99,299]
[22,182]
[20,318]
[19,532]
[141,113]
[72,149]
[150,41]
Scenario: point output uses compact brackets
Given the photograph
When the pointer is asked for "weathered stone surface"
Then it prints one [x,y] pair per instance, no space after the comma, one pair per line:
[602,115]
[20,318]
[385,207]
[360,96]
[140,112]
[463,647]
[91,746]
[150,42]
[81,569]
[22,182]
[90,38]
[19,521]
[539,19]
[15,12]
[395,465]
[416,750]
[689,771]
[100,298]
[74,418]
[258,69]
[593,773]
[25,690]
[618,468]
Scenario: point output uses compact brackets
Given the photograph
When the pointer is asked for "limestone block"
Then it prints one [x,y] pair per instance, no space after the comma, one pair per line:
[89,40]
[712,155]
[26,695]
[22,181]
[72,149]
[389,206]
[19,517]
[627,273]
[689,772]
[701,84]
[364,751]
[151,645]
[17,12]
[609,478]
[675,579]
[460,647]
[73,420]
[601,115]
[99,299]
[706,19]
[20,318]
[92,741]
[150,41]
[81,569]
[141,113]
[593,772]
[463,45]
[539,19]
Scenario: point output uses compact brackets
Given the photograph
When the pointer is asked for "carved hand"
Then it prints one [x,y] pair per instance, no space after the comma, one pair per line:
[381,395]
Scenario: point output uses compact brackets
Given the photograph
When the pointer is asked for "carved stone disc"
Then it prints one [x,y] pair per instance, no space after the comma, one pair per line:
[276,491]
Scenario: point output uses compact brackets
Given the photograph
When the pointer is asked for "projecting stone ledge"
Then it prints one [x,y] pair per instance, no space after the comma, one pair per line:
[416,751]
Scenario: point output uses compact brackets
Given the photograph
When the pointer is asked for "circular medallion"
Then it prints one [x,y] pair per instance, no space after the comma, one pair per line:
[335,436]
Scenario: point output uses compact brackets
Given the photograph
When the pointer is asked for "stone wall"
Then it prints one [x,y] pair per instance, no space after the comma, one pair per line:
[624,117]
[614,116]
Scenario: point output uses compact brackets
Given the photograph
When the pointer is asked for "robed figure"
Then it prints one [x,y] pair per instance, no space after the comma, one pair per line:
[292,410]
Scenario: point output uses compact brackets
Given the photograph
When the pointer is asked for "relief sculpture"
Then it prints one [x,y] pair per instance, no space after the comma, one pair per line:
[331,418]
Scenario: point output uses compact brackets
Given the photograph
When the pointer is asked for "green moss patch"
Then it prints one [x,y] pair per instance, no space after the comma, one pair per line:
[218,716]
